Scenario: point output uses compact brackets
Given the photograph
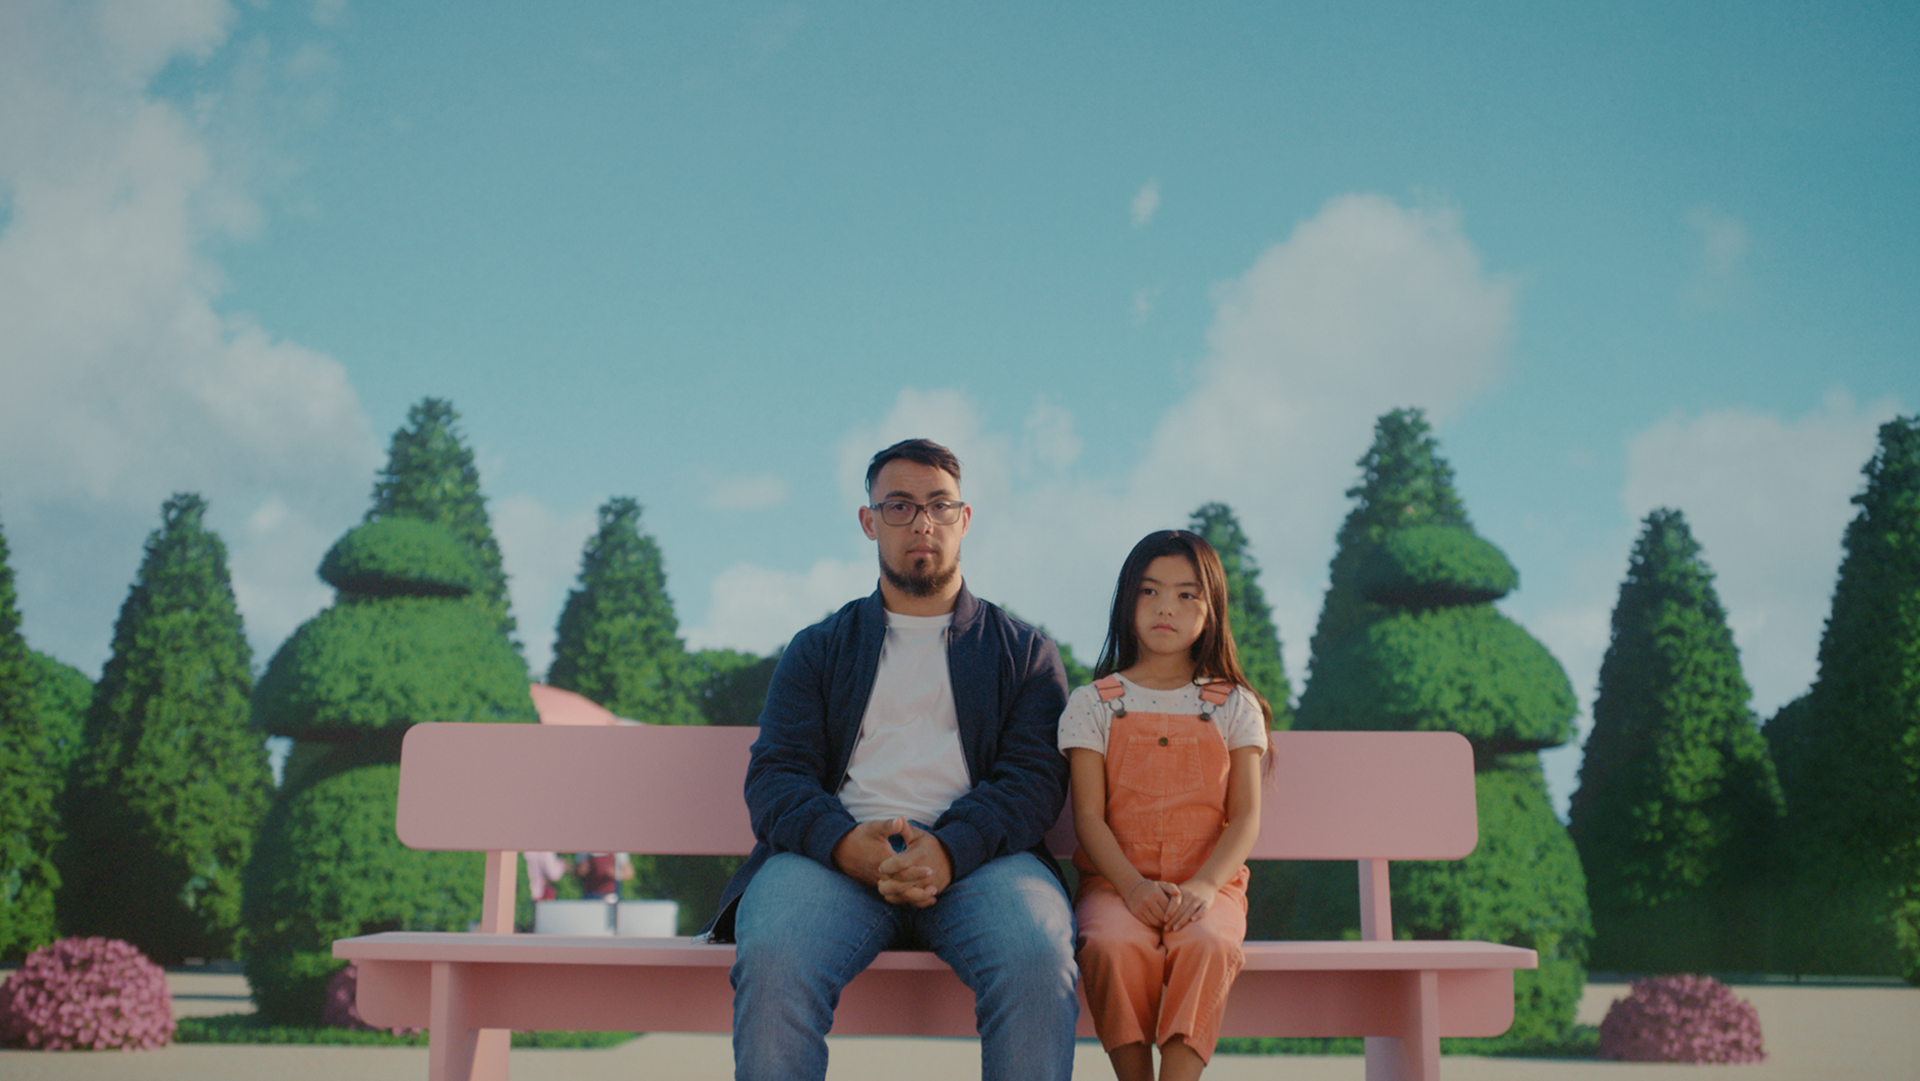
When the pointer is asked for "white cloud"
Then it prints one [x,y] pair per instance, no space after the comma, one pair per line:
[1146,203]
[1048,440]
[748,493]
[757,608]
[1368,306]
[121,383]
[1768,498]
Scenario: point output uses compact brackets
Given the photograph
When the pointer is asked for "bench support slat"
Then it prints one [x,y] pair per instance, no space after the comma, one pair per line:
[456,1050]
[1376,902]
[1414,1054]
[502,886]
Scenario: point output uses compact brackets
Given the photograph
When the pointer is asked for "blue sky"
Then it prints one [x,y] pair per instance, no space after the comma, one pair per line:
[1126,259]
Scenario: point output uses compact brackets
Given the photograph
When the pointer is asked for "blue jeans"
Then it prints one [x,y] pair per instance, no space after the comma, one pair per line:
[805,930]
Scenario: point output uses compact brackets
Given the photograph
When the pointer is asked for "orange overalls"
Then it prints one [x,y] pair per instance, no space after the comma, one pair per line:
[1167,806]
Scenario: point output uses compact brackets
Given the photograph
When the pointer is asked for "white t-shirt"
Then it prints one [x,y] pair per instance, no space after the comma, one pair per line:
[1087,719]
[908,760]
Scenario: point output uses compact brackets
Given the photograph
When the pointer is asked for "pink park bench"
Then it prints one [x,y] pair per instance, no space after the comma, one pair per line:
[508,788]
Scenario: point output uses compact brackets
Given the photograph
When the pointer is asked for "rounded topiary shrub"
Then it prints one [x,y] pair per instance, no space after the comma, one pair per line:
[1467,669]
[403,557]
[1681,1019]
[86,994]
[365,667]
[1432,566]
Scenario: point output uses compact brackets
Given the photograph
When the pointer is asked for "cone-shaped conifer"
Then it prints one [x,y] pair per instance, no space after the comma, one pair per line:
[171,783]
[1678,808]
[1849,752]
[30,782]
[1254,636]
[618,641]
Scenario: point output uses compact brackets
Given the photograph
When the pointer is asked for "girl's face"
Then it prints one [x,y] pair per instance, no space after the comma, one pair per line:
[1171,612]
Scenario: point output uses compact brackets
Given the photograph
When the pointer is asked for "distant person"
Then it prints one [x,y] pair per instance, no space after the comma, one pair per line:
[600,874]
[1165,748]
[900,791]
[543,870]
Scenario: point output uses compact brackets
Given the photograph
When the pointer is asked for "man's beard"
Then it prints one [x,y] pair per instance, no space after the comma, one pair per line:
[921,582]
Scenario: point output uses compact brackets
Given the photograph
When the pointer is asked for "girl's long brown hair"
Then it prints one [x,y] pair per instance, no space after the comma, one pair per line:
[1213,654]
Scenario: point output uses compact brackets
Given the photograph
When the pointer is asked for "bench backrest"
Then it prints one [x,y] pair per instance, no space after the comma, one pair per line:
[670,790]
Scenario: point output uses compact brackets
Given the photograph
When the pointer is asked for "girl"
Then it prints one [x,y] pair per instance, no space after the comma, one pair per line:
[1165,749]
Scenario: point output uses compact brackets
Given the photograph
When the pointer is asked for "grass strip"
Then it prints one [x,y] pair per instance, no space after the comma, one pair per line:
[1582,1042]
[250,1028]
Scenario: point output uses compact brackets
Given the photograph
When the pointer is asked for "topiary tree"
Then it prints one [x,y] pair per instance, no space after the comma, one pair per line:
[1849,752]
[430,475]
[1251,620]
[1678,807]
[1273,885]
[31,775]
[617,641]
[732,685]
[328,866]
[1404,482]
[63,694]
[1409,640]
[412,636]
[171,784]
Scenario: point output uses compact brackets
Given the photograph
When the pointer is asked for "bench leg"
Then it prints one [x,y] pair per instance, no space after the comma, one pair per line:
[1414,1055]
[456,1051]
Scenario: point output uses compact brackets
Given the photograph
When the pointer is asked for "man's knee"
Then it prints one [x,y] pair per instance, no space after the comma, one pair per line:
[797,918]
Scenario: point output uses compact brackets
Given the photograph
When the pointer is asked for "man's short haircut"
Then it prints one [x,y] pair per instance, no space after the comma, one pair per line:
[919,451]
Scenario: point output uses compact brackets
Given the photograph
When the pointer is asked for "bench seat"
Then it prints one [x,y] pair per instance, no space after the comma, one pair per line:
[1361,796]
[396,972]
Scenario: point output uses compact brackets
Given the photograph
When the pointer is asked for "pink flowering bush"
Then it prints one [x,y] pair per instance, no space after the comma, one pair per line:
[340,1010]
[1681,1019]
[86,993]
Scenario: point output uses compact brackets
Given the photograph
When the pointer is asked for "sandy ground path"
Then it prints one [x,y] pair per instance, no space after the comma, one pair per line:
[1812,1033]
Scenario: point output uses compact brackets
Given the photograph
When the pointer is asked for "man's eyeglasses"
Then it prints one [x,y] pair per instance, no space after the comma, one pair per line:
[897,512]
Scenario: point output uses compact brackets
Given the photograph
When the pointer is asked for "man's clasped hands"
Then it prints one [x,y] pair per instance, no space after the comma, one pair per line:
[908,865]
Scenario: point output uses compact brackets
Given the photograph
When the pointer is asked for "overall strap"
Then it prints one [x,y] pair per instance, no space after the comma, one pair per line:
[1110,691]
[1213,695]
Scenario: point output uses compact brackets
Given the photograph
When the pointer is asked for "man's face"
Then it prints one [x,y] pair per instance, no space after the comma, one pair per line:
[920,559]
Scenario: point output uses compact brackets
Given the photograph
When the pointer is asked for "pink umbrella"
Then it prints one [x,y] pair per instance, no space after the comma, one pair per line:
[556,706]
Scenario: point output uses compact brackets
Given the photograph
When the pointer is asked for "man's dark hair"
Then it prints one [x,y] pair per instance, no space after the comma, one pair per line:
[920,451]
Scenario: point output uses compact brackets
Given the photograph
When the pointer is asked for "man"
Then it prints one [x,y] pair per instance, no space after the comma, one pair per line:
[901,789]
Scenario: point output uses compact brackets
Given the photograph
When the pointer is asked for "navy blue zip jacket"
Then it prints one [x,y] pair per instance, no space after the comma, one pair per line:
[1009,689]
